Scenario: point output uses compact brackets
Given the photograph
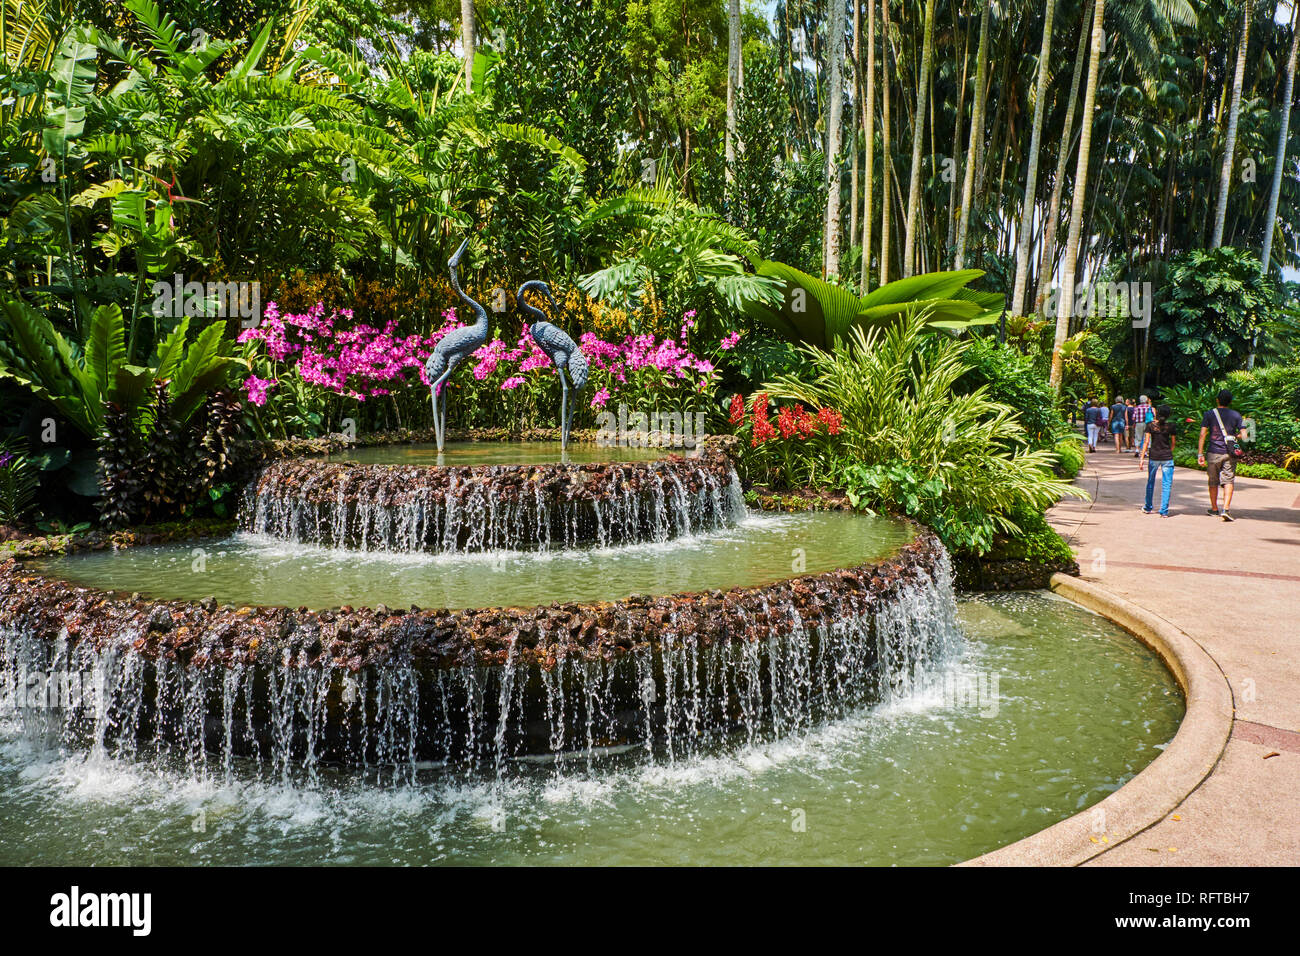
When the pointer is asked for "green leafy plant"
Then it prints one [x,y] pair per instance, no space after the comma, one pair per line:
[1210,308]
[812,311]
[959,462]
[1010,378]
[676,250]
[19,480]
[78,381]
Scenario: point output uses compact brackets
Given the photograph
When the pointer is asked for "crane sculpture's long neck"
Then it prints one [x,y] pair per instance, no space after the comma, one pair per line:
[533,313]
[480,313]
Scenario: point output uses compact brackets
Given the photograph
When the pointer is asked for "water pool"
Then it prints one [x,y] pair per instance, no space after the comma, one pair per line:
[1047,710]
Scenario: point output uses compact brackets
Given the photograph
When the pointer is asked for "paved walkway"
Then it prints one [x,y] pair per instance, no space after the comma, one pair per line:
[1234,588]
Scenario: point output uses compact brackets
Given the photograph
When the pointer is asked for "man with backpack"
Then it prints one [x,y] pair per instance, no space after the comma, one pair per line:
[1223,426]
[1139,416]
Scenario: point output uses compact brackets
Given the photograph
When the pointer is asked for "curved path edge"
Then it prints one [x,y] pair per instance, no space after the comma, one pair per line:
[1166,782]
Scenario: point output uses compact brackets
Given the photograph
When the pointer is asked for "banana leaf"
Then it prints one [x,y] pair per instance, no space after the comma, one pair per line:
[815,312]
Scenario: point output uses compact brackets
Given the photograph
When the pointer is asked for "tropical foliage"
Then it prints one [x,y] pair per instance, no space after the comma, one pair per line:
[959,462]
[686,203]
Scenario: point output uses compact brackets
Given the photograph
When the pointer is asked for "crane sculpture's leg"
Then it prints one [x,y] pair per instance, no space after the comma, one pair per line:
[440,409]
[564,411]
[433,397]
[573,405]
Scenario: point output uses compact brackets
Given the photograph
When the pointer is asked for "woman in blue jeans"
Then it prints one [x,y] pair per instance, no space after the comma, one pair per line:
[1158,456]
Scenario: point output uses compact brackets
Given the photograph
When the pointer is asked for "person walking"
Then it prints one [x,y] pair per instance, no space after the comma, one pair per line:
[1223,427]
[1119,423]
[1142,414]
[1092,423]
[1157,456]
[1129,406]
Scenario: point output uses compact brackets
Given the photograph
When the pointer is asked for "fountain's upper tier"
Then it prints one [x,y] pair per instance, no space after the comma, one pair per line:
[500,453]
[450,507]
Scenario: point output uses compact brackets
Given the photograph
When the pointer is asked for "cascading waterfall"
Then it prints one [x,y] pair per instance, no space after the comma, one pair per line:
[681,694]
[490,508]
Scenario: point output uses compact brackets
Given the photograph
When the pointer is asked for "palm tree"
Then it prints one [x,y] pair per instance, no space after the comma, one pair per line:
[467,40]
[918,135]
[1031,177]
[1076,203]
[869,125]
[885,166]
[855,180]
[834,136]
[976,134]
[1062,160]
[1279,161]
[733,82]
[1234,112]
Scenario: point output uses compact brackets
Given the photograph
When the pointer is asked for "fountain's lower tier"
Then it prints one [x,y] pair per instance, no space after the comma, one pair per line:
[681,673]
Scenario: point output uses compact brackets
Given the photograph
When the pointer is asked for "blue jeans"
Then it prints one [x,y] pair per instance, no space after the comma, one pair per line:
[1166,471]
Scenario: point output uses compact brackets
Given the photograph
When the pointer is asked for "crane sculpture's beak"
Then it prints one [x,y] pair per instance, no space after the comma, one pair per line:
[455,259]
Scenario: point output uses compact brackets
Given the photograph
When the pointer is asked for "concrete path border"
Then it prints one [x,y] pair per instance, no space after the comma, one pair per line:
[1167,781]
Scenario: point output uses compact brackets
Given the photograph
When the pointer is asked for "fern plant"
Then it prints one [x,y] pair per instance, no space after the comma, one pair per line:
[18,483]
[79,380]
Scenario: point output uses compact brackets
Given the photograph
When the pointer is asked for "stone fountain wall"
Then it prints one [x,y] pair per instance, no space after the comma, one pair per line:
[675,674]
[489,507]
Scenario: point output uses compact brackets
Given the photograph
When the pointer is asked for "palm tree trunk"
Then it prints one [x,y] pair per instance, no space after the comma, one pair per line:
[1045,269]
[918,136]
[976,136]
[733,84]
[1031,177]
[1230,145]
[950,220]
[855,180]
[1279,160]
[869,127]
[886,167]
[1066,305]
[467,40]
[834,136]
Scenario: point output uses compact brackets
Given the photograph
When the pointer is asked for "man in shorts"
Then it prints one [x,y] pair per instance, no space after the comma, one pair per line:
[1216,455]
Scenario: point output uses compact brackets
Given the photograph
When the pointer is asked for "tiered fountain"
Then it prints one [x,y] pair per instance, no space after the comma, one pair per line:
[390,612]
[545,608]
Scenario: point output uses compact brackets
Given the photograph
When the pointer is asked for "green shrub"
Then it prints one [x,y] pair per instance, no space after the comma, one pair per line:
[960,463]
[1210,306]
[1268,472]
[1264,396]
[1069,455]
[1010,378]
[1037,541]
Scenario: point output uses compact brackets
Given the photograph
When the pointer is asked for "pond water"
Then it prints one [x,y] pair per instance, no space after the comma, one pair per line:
[1046,710]
[256,569]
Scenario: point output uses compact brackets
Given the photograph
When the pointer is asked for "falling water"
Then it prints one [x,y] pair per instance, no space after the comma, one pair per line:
[683,695]
[376,508]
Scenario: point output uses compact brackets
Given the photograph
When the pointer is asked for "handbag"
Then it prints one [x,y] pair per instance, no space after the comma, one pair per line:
[1229,442]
